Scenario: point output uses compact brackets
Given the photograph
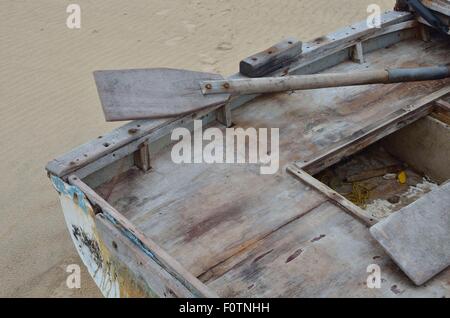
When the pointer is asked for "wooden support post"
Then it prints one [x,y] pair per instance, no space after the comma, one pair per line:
[357,53]
[443,104]
[142,157]
[224,115]
[424,32]
[442,111]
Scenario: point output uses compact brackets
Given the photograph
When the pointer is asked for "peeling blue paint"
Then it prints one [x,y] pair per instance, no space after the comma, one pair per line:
[71,191]
[131,236]
[74,192]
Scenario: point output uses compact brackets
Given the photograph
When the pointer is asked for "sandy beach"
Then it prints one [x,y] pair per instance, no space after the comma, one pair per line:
[49,102]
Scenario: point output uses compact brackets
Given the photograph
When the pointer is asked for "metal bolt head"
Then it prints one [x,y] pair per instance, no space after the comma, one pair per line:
[208,86]
[226,85]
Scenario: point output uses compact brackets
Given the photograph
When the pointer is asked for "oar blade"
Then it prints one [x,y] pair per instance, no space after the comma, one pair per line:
[153,93]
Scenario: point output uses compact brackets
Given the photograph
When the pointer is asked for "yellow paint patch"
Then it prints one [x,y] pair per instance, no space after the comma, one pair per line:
[402,177]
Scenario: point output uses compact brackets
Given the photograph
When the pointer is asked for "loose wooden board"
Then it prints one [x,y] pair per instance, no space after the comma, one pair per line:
[417,237]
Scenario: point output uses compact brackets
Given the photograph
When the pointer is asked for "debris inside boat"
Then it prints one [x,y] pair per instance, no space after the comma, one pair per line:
[377,181]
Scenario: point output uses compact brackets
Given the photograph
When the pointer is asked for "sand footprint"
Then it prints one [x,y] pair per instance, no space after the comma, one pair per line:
[208,63]
[224,46]
[163,12]
[189,25]
[173,41]
[207,59]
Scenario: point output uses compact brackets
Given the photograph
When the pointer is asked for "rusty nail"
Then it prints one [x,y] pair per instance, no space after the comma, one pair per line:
[208,86]
[132,131]
[226,85]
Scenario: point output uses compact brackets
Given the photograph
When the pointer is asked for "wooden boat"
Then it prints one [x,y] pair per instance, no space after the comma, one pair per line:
[145,226]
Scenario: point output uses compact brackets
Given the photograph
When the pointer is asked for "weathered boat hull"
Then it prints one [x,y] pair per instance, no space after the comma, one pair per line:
[198,235]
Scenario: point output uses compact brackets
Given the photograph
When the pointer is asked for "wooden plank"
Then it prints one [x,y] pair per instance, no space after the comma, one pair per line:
[117,144]
[268,61]
[84,167]
[345,204]
[368,174]
[350,36]
[324,254]
[103,146]
[148,246]
[418,236]
[372,133]
[185,217]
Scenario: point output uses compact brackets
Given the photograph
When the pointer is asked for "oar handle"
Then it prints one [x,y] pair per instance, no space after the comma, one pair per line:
[300,82]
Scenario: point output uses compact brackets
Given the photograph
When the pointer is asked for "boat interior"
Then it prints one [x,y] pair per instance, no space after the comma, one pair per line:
[246,234]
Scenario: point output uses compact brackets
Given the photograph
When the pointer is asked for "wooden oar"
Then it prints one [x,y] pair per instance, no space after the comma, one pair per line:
[153,93]
[161,92]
